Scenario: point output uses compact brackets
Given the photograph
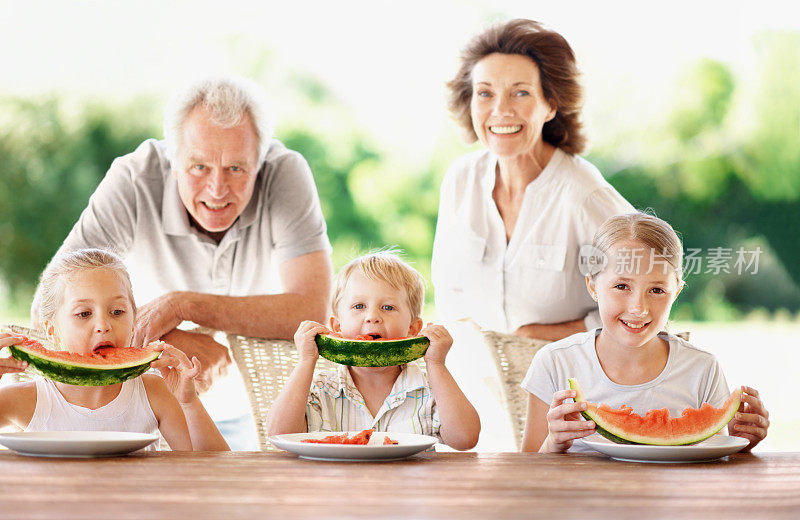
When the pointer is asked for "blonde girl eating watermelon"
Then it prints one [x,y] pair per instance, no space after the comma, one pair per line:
[630,359]
[84,301]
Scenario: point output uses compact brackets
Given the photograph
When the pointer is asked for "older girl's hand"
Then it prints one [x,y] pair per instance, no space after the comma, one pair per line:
[751,421]
[564,423]
[178,372]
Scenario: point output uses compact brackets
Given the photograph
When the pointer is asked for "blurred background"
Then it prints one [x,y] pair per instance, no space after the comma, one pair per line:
[692,110]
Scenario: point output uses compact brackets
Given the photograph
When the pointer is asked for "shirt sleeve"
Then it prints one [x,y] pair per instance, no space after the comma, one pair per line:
[296,220]
[541,378]
[600,205]
[716,391]
[445,299]
[109,219]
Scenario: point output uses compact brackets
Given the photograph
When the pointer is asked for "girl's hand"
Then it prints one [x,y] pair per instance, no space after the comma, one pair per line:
[441,341]
[751,420]
[9,365]
[564,423]
[305,342]
[178,372]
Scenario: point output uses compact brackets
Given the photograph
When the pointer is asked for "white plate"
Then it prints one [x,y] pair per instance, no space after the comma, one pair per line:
[76,444]
[710,449]
[409,444]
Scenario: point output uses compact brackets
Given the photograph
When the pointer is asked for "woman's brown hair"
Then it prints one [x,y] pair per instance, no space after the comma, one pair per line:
[557,68]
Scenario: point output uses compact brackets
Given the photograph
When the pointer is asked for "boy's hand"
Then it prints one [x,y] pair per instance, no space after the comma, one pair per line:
[9,365]
[178,372]
[751,420]
[441,341]
[564,423]
[305,342]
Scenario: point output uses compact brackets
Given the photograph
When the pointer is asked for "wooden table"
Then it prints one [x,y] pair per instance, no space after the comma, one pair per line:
[431,485]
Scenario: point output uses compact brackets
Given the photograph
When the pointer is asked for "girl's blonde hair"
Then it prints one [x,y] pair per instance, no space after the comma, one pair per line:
[50,291]
[647,229]
[385,266]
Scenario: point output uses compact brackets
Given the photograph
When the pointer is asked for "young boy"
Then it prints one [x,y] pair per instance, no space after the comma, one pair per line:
[376,294]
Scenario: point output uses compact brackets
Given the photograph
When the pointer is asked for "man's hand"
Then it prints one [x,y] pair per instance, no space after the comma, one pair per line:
[214,358]
[156,318]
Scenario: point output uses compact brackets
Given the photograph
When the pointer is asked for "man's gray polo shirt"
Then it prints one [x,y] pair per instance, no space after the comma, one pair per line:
[136,210]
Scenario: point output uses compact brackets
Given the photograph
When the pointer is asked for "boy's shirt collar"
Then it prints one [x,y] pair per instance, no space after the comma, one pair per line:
[411,378]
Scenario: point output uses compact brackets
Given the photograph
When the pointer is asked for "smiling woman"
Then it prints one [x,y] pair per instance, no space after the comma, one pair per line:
[512,217]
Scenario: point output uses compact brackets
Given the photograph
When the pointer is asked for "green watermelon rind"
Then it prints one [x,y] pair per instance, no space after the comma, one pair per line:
[365,353]
[621,437]
[77,374]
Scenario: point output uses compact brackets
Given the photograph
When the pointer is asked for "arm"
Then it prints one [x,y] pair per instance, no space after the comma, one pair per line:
[178,374]
[171,421]
[551,429]
[288,412]
[552,331]
[461,424]
[751,421]
[306,281]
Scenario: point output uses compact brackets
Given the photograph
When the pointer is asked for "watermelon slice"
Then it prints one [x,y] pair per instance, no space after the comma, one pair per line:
[657,427]
[365,351]
[105,366]
[361,438]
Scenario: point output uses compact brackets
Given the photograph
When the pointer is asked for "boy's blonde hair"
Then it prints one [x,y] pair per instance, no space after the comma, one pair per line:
[385,266]
[50,291]
[647,229]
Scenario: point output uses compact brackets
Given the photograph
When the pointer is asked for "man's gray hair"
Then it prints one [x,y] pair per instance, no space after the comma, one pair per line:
[227,99]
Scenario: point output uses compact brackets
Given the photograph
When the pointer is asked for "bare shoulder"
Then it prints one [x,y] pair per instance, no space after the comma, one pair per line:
[154,383]
[156,389]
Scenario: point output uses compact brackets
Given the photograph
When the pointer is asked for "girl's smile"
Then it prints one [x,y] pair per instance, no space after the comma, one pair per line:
[634,295]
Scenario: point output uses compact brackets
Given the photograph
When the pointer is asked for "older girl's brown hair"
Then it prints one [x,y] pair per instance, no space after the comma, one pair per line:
[646,229]
[557,68]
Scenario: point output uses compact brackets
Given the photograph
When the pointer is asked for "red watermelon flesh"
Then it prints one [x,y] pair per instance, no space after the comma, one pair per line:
[657,426]
[105,366]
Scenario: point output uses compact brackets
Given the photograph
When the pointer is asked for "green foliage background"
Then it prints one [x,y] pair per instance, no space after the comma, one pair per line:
[724,170]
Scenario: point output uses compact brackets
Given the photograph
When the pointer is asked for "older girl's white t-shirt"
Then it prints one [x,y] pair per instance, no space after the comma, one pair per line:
[690,378]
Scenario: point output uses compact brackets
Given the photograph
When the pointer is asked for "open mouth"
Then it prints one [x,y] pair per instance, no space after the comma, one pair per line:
[635,327]
[101,347]
[215,207]
[374,336]
[505,129]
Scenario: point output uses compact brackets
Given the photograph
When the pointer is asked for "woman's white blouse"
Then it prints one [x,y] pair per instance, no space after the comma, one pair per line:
[534,278]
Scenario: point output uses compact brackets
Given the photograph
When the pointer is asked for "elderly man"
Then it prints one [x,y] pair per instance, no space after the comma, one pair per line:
[206,219]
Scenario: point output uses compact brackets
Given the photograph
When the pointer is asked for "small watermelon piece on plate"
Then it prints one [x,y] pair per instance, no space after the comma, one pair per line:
[623,426]
[366,351]
[105,366]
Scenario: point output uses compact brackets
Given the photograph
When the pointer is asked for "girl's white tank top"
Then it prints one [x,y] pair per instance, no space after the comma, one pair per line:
[128,412]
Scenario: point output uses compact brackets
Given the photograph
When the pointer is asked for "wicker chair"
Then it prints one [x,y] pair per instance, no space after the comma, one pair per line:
[512,356]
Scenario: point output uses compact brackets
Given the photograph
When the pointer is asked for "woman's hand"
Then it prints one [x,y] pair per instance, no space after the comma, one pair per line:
[178,372]
[304,339]
[441,341]
[751,421]
[9,365]
[564,423]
